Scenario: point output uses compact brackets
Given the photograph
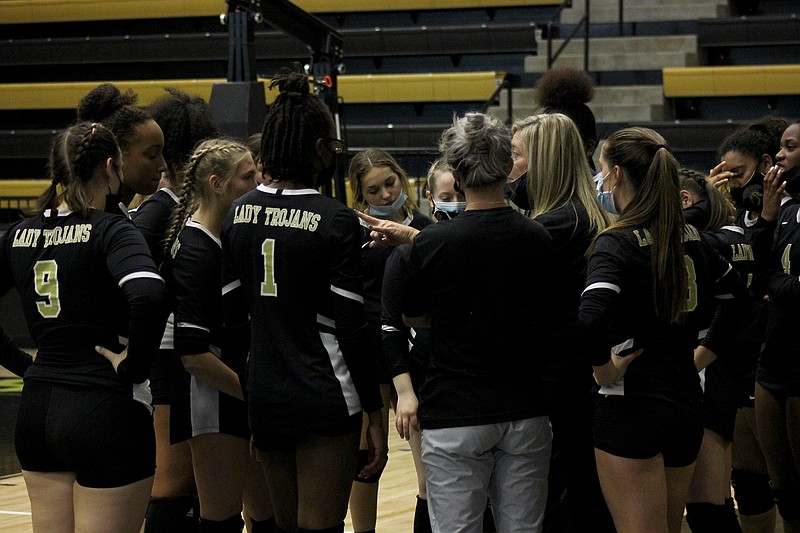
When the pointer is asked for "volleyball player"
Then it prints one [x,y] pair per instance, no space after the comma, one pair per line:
[380,188]
[84,434]
[649,277]
[778,373]
[293,264]
[207,404]
[139,136]
[185,121]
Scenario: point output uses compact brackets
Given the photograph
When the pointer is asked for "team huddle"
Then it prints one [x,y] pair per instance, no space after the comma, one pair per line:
[218,345]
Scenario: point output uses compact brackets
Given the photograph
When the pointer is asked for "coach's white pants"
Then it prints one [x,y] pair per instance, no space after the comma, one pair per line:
[509,461]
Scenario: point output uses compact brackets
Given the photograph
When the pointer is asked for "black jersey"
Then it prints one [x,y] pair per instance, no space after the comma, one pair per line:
[374,264]
[153,218]
[488,326]
[296,256]
[618,313]
[193,272]
[406,349]
[84,282]
[779,365]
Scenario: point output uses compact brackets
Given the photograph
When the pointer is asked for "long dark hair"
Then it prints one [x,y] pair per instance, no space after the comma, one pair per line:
[644,156]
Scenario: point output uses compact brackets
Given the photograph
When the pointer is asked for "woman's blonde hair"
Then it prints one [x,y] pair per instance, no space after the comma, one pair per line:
[365,161]
[558,172]
[218,157]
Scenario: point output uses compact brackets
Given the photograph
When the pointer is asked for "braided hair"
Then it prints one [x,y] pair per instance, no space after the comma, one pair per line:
[75,154]
[294,123]
[719,208]
[186,121]
[212,157]
[116,110]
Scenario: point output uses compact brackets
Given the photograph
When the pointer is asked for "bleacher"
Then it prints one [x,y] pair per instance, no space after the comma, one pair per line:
[410,65]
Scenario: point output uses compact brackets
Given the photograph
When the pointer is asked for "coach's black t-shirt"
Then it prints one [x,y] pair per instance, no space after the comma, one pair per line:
[488,323]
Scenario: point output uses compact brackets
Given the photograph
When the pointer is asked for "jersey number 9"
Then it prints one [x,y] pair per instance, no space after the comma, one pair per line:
[46,285]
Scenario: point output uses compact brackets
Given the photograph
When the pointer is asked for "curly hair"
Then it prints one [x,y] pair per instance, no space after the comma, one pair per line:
[115,110]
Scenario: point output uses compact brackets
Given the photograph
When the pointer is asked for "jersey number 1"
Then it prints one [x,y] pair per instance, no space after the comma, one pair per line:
[45,283]
[268,286]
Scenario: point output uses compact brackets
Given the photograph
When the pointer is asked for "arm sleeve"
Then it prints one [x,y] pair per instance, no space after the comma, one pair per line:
[734,304]
[394,331]
[236,320]
[599,301]
[11,357]
[414,293]
[348,306]
[129,262]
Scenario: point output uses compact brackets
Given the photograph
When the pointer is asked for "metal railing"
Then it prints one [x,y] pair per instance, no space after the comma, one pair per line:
[506,85]
[583,22]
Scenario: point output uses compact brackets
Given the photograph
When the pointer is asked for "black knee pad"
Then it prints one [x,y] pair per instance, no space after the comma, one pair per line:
[177,515]
[233,524]
[711,518]
[339,528]
[788,502]
[263,526]
[752,492]
[363,460]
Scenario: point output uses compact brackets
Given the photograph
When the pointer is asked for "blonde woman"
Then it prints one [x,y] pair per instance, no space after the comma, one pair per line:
[207,405]
[561,191]
[380,188]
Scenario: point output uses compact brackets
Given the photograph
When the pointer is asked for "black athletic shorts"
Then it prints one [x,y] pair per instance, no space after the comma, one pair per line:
[641,428]
[268,440]
[105,438]
[719,401]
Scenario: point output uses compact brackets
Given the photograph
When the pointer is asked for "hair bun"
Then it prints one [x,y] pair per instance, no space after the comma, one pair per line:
[103,101]
[290,82]
[562,87]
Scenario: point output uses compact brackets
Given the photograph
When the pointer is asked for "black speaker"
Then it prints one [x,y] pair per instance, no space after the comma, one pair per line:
[239,108]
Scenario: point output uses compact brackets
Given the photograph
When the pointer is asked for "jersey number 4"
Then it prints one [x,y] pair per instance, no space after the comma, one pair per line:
[45,283]
[268,286]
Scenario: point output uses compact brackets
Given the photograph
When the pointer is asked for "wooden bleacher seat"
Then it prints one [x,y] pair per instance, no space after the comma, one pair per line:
[756,80]
[44,11]
[362,89]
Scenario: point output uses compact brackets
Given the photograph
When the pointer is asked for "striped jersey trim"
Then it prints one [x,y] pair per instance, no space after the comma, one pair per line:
[140,275]
[347,294]
[285,192]
[325,321]
[233,285]
[390,329]
[190,325]
[602,285]
[192,224]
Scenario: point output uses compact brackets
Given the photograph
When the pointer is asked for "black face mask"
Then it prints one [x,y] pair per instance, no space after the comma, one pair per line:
[750,197]
[792,179]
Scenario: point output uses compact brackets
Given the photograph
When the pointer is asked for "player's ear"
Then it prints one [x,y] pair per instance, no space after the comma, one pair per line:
[215,183]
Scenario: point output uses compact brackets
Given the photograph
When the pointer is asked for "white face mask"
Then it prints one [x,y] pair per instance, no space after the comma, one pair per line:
[606,198]
[448,210]
[388,210]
